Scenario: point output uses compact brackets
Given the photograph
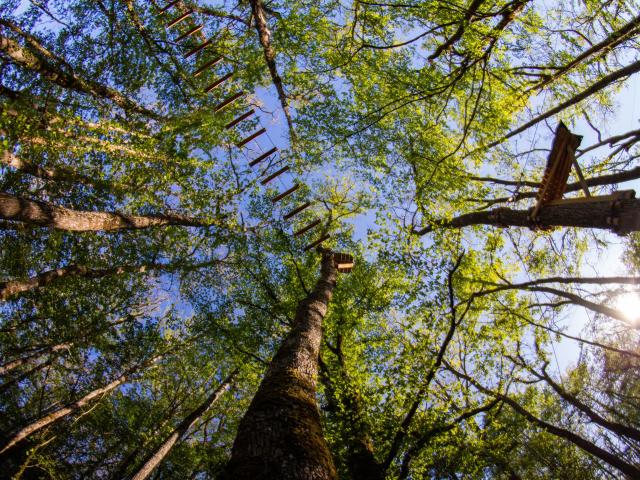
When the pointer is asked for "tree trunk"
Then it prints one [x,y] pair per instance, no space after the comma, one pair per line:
[13,364]
[622,218]
[163,450]
[45,214]
[61,173]
[38,59]
[280,436]
[71,408]
[260,18]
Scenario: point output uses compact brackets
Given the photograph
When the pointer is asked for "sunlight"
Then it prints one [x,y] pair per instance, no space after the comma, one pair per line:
[629,305]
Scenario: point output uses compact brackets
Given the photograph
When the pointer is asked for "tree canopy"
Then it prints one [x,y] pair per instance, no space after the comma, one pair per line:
[176,177]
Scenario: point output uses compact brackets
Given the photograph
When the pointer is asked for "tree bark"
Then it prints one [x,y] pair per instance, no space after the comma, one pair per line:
[264,34]
[60,173]
[13,364]
[280,436]
[38,59]
[593,214]
[22,434]
[45,214]
[163,450]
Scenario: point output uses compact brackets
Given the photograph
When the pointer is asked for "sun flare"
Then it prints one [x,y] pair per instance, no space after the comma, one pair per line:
[629,305]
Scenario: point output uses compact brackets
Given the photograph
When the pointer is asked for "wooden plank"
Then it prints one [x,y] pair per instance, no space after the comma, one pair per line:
[199,48]
[297,210]
[621,194]
[286,193]
[305,229]
[168,6]
[263,156]
[188,33]
[242,117]
[209,64]
[228,101]
[253,136]
[576,165]
[317,242]
[218,82]
[179,19]
[275,175]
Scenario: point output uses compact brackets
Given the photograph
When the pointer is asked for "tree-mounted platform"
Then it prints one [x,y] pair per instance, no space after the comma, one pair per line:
[554,183]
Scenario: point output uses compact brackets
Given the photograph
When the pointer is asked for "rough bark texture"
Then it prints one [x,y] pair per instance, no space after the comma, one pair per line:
[48,215]
[60,413]
[162,451]
[280,436]
[582,215]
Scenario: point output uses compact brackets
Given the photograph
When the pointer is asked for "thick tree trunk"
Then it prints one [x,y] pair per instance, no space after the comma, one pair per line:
[48,215]
[38,59]
[622,218]
[163,450]
[60,413]
[280,436]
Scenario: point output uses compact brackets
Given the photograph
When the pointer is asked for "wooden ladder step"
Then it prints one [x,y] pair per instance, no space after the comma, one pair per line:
[253,136]
[297,210]
[179,19]
[286,193]
[274,175]
[199,48]
[228,101]
[188,33]
[168,6]
[317,242]
[304,230]
[263,156]
[218,82]
[242,117]
[209,64]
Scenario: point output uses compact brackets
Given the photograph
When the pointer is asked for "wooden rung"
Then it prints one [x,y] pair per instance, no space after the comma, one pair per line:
[210,63]
[304,230]
[179,19]
[195,29]
[286,193]
[317,242]
[218,82]
[263,156]
[228,101]
[297,210]
[197,49]
[168,6]
[253,136]
[274,175]
[239,119]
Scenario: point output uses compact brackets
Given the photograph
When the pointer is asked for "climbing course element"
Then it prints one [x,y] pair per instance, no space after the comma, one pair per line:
[184,16]
[556,175]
